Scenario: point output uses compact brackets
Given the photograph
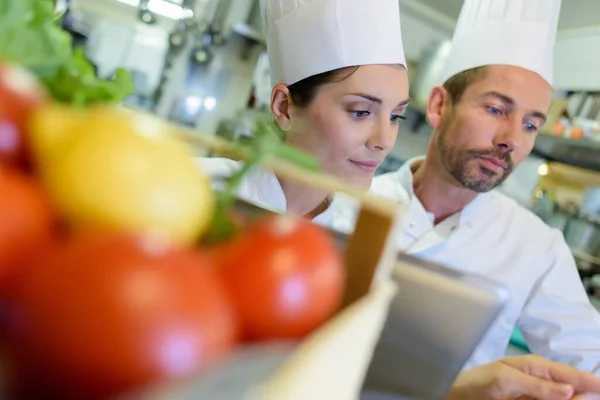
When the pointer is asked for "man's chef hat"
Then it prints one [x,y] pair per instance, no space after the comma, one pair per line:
[521,33]
[309,37]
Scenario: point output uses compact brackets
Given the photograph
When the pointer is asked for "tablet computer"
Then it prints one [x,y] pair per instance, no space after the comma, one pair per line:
[435,322]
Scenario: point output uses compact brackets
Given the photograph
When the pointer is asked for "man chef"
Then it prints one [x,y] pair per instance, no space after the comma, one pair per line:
[495,95]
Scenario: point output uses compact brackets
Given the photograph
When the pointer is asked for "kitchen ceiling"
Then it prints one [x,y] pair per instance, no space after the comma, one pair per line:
[575,13]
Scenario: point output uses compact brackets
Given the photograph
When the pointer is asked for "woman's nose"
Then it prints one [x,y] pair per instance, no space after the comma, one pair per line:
[383,136]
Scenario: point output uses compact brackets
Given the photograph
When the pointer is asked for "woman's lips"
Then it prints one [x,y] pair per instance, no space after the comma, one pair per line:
[367,166]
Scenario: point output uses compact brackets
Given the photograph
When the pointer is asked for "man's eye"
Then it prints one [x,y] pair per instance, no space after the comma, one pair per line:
[530,127]
[494,110]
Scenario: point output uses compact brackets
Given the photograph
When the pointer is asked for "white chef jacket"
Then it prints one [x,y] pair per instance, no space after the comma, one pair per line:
[495,237]
[492,236]
[261,188]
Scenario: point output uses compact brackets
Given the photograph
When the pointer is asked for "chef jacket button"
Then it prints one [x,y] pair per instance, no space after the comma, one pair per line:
[412,224]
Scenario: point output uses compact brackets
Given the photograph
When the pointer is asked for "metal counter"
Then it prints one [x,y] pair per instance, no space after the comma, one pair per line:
[582,153]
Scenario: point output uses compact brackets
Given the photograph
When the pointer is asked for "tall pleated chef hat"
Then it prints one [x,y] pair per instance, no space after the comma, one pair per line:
[309,37]
[520,33]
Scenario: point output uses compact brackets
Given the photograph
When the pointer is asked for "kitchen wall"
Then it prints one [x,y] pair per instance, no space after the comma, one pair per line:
[577,59]
[121,12]
[577,54]
[136,47]
[577,50]
[422,27]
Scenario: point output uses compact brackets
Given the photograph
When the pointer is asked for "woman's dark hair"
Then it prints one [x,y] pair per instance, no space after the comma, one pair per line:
[304,92]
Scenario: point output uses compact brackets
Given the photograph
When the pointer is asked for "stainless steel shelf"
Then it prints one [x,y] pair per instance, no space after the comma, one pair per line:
[582,153]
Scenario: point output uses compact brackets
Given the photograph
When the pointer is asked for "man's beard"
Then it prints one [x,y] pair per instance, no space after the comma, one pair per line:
[456,161]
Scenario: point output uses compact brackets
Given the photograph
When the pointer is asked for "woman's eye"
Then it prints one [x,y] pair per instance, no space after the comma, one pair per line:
[360,114]
[397,118]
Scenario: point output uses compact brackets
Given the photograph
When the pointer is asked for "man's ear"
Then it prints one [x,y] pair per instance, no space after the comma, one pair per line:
[439,101]
[281,106]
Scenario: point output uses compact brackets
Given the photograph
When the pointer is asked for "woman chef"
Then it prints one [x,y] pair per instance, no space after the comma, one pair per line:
[340,88]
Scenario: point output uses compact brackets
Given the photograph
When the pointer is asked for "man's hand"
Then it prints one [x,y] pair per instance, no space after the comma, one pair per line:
[525,377]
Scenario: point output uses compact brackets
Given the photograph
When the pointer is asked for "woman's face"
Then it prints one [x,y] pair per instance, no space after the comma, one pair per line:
[351,125]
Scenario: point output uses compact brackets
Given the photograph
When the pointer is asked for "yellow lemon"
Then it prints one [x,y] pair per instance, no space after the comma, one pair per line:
[114,172]
[50,129]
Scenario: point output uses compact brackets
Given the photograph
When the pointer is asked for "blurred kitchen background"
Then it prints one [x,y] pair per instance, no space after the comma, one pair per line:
[202,63]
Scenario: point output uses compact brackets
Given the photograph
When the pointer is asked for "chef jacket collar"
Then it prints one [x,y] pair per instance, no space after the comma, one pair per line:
[268,189]
[270,195]
[467,217]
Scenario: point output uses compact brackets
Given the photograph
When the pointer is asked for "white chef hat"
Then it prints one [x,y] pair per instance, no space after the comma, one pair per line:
[520,33]
[309,37]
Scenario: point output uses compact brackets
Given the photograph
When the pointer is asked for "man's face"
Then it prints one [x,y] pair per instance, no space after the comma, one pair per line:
[482,138]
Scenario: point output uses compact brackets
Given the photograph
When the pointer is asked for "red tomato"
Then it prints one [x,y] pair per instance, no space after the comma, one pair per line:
[19,95]
[286,277]
[26,219]
[104,314]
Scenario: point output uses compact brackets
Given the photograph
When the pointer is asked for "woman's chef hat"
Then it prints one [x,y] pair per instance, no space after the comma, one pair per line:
[309,37]
[521,33]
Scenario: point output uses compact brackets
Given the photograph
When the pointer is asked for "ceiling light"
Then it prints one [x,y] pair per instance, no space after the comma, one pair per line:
[133,3]
[160,7]
[166,9]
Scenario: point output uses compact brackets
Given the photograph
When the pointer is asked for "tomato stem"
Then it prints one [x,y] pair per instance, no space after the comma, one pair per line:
[264,145]
[222,226]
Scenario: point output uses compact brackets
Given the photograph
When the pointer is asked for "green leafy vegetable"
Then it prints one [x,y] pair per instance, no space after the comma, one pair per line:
[265,144]
[76,83]
[268,140]
[31,37]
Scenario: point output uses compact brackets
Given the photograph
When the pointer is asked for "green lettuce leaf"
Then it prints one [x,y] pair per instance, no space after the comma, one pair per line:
[76,83]
[30,36]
